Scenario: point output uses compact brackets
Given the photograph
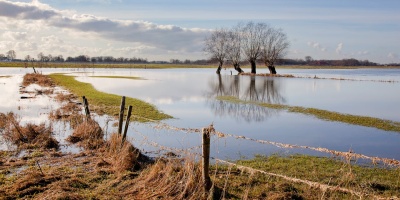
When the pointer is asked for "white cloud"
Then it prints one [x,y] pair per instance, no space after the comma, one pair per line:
[317,46]
[10,35]
[363,53]
[393,55]
[166,37]
[339,48]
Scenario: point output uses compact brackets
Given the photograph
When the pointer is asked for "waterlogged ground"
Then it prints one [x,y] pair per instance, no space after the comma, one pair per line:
[189,96]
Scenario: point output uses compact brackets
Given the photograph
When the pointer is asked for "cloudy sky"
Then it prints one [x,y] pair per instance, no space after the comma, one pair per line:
[165,29]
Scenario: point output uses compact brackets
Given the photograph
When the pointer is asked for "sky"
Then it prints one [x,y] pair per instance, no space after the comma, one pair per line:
[176,29]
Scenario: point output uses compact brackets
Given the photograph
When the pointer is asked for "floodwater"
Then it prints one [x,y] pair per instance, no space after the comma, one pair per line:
[189,95]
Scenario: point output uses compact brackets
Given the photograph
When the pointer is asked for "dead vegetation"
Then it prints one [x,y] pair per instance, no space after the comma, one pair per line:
[30,136]
[123,155]
[39,79]
[88,135]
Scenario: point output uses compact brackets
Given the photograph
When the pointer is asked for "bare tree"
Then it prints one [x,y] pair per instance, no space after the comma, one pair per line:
[252,40]
[274,46]
[28,58]
[49,58]
[234,48]
[40,57]
[216,46]
[11,54]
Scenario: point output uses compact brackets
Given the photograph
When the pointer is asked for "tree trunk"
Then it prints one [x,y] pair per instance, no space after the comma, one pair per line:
[253,66]
[272,69]
[219,68]
[238,69]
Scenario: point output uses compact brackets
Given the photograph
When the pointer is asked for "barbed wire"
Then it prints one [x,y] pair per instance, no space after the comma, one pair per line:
[321,186]
[186,151]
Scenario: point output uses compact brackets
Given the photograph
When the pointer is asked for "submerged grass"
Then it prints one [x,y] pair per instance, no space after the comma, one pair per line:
[123,77]
[386,125]
[104,103]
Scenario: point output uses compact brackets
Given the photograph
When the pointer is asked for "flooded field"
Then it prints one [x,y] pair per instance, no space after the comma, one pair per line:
[190,96]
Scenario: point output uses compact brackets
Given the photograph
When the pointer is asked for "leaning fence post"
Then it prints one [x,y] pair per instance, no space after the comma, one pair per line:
[128,118]
[206,158]
[121,115]
[86,105]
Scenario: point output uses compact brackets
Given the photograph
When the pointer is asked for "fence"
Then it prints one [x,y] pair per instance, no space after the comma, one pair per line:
[209,131]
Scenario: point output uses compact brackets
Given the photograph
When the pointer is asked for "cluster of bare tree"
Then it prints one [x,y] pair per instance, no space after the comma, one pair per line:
[10,55]
[251,41]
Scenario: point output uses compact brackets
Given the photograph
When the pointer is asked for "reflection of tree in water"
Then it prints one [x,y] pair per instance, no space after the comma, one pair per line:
[258,89]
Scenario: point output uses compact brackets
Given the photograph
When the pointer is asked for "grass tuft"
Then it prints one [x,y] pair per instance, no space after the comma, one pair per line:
[39,79]
[30,136]
[88,134]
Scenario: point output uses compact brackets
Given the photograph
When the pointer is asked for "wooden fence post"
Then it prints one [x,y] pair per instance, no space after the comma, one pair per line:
[206,158]
[128,118]
[86,105]
[121,115]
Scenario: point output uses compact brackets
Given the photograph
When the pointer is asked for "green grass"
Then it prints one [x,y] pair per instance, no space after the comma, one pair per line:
[104,103]
[386,125]
[123,77]
[379,181]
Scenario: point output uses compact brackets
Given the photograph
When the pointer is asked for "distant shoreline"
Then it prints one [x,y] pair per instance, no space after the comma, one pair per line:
[171,66]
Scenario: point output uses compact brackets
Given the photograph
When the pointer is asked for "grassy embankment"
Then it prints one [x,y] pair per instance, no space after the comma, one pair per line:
[104,103]
[386,125]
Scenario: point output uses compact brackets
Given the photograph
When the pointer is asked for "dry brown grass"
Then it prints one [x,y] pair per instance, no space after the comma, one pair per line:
[124,156]
[64,97]
[70,111]
[166,179]
[39,79]
[29,136]
[88,135]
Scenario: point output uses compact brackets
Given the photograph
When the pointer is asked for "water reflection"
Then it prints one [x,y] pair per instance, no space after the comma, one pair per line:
[246,88]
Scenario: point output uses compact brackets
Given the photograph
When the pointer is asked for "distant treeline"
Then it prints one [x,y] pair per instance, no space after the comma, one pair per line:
[98,59]
[137,60]
[343,62]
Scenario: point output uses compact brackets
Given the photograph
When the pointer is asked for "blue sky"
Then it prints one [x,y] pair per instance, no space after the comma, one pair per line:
[161,29]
